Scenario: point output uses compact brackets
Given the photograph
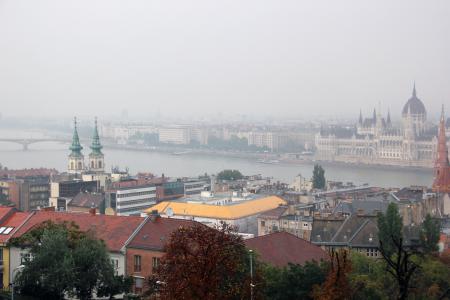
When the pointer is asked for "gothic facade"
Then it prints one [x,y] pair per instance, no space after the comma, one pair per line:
[376,141]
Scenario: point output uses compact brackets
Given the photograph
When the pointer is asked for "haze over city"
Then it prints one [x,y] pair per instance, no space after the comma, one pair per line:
[193,58]
[208,149]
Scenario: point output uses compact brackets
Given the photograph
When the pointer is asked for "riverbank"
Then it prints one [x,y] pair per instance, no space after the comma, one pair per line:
[269,157]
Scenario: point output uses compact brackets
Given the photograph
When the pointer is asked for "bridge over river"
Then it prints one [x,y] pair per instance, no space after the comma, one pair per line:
[25,142]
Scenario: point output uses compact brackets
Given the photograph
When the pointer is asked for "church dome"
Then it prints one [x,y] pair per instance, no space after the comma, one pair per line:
[414,105]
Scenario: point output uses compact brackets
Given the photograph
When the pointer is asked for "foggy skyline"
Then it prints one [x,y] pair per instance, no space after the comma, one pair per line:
[259,58]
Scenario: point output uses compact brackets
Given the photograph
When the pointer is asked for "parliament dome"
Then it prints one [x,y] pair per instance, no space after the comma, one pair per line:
[414,105]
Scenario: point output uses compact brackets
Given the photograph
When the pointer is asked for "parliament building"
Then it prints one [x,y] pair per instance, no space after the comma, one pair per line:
[376,140]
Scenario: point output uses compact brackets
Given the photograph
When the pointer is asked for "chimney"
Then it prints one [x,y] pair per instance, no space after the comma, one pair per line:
[154,215]
[93,211]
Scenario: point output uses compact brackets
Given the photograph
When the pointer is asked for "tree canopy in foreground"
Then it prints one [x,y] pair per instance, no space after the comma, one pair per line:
[205,263]
[65,261]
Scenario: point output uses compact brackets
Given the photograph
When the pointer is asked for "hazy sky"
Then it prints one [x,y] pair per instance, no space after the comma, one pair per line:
[284,58]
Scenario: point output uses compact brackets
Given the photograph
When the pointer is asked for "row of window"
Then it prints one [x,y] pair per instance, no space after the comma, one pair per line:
[152,192]
[99,163]
[44,195]
[137,208]
[139,201]
[138,263]
[286,224]
[194,186]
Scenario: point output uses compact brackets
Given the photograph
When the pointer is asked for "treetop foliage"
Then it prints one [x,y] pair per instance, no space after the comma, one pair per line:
[318,179]
[205,263]
[229,175]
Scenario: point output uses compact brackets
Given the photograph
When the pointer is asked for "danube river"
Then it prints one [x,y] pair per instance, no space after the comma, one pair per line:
[54,155]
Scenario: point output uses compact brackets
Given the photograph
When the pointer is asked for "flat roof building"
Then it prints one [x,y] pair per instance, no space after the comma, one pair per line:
[241,214]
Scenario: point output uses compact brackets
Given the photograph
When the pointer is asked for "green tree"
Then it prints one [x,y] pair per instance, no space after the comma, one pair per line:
[92,267]
[399,258]
[64,261]
[319,181]
[118,284]
[293,281]
[432,280]
[429,234]
[390,227]
[230,175]
[49,274]
[368,280]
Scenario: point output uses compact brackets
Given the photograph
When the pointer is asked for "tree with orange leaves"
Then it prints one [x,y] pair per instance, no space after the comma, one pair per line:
[336,285]
[205,263]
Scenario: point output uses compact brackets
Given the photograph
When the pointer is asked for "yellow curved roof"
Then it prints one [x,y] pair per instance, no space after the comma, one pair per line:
[228,212]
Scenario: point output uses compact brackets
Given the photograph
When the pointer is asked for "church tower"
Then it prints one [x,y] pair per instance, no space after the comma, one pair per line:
[76,158]
[96,157]
[441,182]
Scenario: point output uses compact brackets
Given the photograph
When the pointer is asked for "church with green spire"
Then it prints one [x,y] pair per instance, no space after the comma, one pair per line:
[76,158]
[96,157]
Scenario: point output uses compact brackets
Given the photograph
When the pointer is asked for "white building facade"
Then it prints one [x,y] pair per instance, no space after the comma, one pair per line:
[376,141]
[134,200]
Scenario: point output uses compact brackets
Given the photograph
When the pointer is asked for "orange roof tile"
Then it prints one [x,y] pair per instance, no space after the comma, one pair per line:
[113,230]
[15,220]
[225,212]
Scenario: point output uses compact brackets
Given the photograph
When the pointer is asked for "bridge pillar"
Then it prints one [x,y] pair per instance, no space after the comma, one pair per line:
[25,147]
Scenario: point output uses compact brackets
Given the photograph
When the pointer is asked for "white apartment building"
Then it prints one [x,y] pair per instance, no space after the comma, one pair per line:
[194,186]
[200,135]
[114,131]
[271,140]
[135,199]
[122,132]
[180,135]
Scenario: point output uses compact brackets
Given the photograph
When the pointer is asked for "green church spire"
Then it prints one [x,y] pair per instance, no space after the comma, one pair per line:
[76,146]
[96,147]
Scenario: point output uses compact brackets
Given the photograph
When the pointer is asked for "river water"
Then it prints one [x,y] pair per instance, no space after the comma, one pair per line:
[54,155]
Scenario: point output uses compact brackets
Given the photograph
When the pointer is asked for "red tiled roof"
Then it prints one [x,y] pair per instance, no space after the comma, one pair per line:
[154,234]
[137,182]
[14,220]
[113,230]
[281,248]
[28,172]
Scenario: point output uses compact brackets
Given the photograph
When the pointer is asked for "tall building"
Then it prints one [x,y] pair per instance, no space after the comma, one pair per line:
[441,182]
[96,157]
[76,158]
[131,200]
[28,193]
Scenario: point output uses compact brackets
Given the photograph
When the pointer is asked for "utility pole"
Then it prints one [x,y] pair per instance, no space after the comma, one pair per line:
[251,274]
